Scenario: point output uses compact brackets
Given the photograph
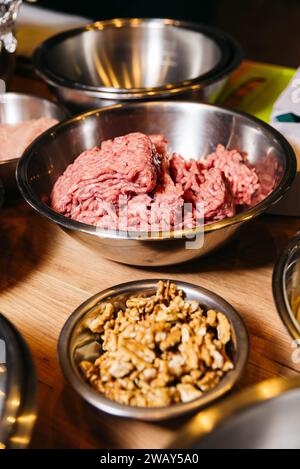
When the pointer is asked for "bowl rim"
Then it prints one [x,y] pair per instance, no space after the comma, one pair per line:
[69,224]
[210,420]
[13,95]
[279,291]
[231,57]
[96,399]
[22,389]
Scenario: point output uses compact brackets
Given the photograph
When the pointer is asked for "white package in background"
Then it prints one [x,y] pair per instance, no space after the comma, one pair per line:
[289,102]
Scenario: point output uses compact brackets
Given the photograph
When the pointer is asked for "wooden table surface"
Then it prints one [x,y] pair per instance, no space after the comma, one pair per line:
[45,275]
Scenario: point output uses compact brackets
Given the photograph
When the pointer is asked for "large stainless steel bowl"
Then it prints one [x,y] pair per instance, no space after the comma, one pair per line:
[17,389]
[76,343]
[14,109]
[136,59]
[264,416]
[286,286]
[193,129]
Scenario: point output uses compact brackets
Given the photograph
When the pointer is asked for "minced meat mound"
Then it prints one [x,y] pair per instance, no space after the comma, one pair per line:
[15,138]
[132,182]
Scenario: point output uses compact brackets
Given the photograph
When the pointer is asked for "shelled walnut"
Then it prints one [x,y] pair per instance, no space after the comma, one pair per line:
[159,349]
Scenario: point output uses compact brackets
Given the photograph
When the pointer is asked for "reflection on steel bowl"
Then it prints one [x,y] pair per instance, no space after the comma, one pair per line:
[79,345]
[264,416]
[136,59]
[193,130]
[286,286]
[17,108]
[17,389]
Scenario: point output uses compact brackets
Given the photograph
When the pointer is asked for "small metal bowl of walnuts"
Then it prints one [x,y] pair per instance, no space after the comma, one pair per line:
[153,349]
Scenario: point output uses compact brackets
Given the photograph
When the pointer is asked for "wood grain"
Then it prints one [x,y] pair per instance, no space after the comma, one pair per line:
[45,275]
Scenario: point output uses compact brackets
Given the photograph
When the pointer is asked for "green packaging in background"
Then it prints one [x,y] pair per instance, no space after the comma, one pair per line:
[255,87]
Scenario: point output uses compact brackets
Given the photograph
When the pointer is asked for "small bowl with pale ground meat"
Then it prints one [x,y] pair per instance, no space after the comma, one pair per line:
[153,349]
[168,181]
[22,118]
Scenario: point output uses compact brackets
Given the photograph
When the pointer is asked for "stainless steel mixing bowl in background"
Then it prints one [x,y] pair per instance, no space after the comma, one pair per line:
[193,130]
[76,343]
[286,286]
[136,59]
[264,416]
[18,384]
[14,109]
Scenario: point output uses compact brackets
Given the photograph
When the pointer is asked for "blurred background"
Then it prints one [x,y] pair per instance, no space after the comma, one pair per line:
[267,29]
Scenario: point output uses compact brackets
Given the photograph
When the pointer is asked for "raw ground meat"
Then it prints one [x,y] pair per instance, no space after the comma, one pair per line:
[208,187]
[161,144]
[243,179]
[215,195]
[98,177]
[14,139]
[131,183]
